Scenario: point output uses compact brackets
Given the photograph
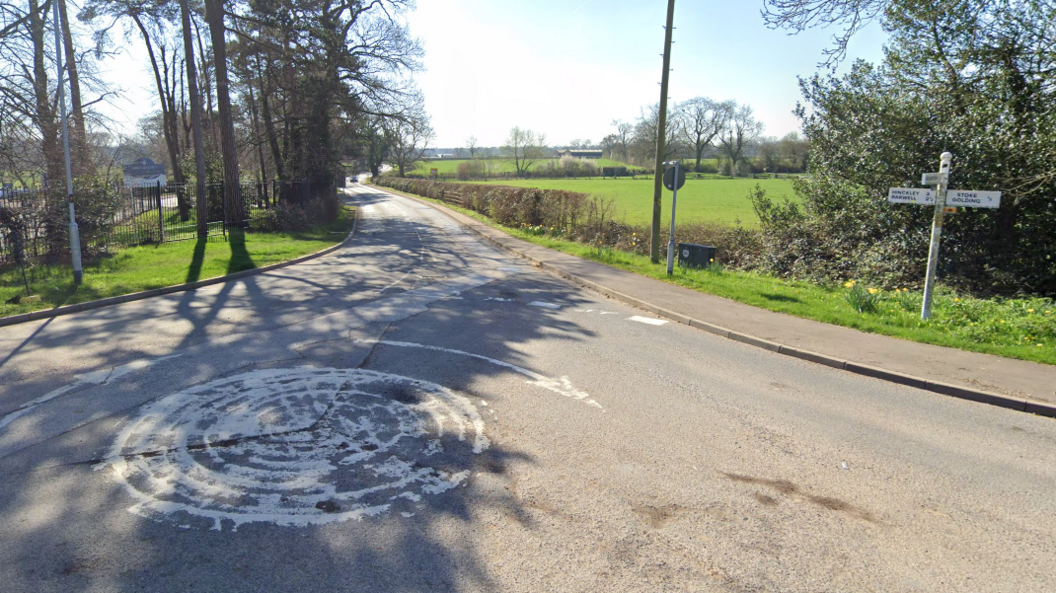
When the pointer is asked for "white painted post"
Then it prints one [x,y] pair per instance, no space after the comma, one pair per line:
[936,232]
[671,237]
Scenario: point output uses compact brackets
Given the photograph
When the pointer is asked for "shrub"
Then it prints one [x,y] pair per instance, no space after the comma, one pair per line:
[95,208]
[290,218]
[474,169]
[582,217]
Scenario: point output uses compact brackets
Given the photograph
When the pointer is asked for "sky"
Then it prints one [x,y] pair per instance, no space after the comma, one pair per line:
[568,68]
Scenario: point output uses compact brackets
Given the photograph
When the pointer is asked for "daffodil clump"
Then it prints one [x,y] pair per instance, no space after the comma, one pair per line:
[540,230]
[862,299]
[1026,321]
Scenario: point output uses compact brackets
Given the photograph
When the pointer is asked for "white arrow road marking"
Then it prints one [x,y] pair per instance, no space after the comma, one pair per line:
[560,386]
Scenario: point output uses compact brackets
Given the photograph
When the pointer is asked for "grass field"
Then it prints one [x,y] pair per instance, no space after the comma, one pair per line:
[155,266]
[498,165]
[718,200]
[1020,328]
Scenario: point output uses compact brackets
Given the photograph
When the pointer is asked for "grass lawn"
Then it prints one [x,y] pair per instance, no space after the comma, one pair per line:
[1014,328]
[717,200]
[155,266]
[498,165]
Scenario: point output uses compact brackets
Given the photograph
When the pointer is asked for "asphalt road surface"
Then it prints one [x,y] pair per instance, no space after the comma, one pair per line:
[419,412]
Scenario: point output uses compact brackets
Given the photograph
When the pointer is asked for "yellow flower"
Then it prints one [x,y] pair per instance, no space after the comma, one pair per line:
[956,300]
[1030,310]
[849,284]
[1041,345]
[873,291]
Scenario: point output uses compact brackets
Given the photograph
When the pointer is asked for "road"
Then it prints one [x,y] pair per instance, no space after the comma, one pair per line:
[419,412]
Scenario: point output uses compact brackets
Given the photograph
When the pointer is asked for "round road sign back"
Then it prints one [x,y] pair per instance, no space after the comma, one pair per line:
[669,178]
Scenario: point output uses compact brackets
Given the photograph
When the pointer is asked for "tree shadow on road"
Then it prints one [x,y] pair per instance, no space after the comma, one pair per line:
[68,525]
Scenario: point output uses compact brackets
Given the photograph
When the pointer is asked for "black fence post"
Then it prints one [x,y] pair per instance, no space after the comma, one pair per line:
[161,214]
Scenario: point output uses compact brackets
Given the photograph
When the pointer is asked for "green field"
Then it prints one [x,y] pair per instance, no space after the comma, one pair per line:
[719,200]
[498,165]
[1017,328]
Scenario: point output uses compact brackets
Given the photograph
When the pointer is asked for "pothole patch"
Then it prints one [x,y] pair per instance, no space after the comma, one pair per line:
[296,447]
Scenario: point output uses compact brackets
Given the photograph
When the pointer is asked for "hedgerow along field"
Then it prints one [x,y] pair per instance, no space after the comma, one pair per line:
[497,165]
[701,200]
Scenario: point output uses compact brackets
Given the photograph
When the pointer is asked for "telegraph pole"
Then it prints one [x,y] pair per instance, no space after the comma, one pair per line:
[75,234]
[661,136]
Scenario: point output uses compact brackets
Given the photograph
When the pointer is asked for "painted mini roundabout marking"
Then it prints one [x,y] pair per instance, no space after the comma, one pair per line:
[296,447]
[303,446]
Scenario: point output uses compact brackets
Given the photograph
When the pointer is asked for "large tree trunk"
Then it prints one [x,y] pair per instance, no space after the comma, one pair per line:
[196,122]
[214,15]
[82,164]
[45,120]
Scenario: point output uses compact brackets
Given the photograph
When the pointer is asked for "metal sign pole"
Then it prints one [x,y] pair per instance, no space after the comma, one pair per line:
[936,232]
[671,237]
[75,235]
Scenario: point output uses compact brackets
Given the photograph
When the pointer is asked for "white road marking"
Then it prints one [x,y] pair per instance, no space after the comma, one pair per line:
[544,305]
[296,447]
[647,320]
[560,386]
[100,377]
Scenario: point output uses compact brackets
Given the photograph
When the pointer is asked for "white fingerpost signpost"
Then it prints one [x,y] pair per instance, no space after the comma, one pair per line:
[945,201]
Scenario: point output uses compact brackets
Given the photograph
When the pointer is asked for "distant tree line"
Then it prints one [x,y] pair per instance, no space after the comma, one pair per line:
[702,128]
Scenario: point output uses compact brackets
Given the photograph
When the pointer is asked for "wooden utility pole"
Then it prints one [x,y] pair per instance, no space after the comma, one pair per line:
[661,136]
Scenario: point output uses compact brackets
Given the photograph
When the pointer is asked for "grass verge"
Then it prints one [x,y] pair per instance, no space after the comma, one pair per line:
[1023,328]
[155,266]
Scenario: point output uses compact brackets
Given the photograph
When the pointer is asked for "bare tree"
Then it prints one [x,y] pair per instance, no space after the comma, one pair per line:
[800,15]
[471,146]
[794,150]
[742,129]
[409,134]
[767,154]
[621,140]
[523,148]
[701,121]
[645,134]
